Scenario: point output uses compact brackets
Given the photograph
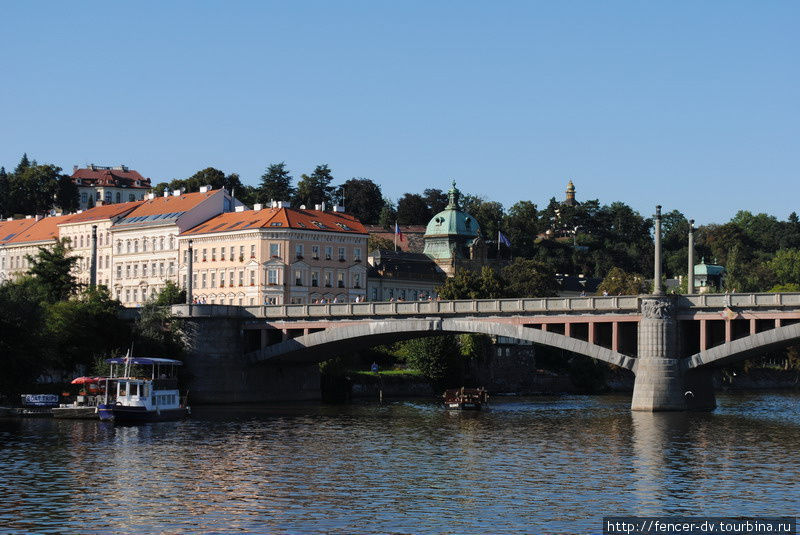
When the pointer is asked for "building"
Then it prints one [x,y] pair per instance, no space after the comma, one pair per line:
[276,255]
[42,232]
[708,277]
[413,240]
[453,238]
[402,276]
[98,184]
[78,230]
[10,259]
[145,241]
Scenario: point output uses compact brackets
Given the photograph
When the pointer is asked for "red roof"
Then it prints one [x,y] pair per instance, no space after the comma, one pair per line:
[43,230]
[106,211]
[173,205]
[10,229]
[276,218]
[116,177]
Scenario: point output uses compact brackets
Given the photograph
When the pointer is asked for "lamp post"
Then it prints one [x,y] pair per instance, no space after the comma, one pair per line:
[189,275]
[690,283]
[657,290]
[93,260]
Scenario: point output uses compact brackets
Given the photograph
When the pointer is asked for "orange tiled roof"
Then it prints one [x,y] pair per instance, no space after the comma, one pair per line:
[165,206]
[106,211]
[10,229]
[99,176]
[43,230]
[275,218]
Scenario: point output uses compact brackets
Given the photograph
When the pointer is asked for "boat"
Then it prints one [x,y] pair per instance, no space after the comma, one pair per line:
[84,406]
[139,398]
[465,398]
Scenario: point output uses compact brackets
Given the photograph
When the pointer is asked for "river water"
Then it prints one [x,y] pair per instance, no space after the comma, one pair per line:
[526,465]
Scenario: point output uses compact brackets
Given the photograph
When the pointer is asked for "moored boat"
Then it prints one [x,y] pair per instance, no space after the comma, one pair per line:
[465,398]
[139,398]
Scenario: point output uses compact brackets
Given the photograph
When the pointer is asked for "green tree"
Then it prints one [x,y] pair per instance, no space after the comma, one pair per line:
[786,266]
[388,215]
[170,294]
[436,357]
[34,189]
[436,200]
[618,282]
[377,242]
[21,335]
[521,225]
[276,184]
[4,193]
[413,210]
[52,268]
[469,284]
[315,188]
[529,278]
[157,333]
[67,195]
[363,199]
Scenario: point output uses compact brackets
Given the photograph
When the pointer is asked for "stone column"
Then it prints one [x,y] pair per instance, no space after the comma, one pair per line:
[690,274]
[662,383]
[189,275]
[93,261]
[659,378]
[657,290]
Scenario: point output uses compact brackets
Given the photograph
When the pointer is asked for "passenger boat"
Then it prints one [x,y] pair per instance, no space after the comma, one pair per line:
[138,398]
[465,398]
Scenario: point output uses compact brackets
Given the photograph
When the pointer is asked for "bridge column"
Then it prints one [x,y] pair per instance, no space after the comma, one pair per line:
[615,336]
[660,383]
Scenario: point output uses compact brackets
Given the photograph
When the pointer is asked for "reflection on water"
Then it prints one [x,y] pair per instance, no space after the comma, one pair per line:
[549,465]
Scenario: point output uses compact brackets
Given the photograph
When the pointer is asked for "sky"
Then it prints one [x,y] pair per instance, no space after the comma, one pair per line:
[691,105]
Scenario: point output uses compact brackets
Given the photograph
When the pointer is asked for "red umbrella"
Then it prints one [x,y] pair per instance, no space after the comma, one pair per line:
[85,380]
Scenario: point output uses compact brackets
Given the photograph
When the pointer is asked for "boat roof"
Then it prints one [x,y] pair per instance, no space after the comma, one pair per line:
[147,361]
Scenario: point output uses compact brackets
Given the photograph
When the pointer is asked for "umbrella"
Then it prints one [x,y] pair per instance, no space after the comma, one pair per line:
[85,380]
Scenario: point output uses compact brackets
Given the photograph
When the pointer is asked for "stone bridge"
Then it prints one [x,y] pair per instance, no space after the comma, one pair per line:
[670,343]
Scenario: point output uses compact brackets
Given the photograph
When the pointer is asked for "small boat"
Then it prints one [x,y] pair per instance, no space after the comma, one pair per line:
[139,398]
[465,398]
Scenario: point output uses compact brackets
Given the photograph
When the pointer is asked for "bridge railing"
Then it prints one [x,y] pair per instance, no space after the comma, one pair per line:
[759,300]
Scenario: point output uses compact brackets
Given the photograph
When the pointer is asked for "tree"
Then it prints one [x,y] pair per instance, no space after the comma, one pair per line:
[53,271]
[171,294]
[34,189]
[21,335]
[4,191]
[436,357]
[23,165]
[363,199]
[315,188]
[488,214]
[469,284]
[521,225]
[529,278]
[413,210]
[436,200]
[388,215]
[67,194]
[786,266]
[377,242]
[276,184]
[157,333]
[618,282]
[213,177]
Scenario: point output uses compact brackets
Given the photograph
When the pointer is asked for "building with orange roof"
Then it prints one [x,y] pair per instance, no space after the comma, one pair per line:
[9,229]
[42,232]
[276,255]
[145,240]
[99,184]
[78,230]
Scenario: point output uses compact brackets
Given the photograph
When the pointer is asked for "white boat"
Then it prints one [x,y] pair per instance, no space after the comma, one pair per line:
[139,398]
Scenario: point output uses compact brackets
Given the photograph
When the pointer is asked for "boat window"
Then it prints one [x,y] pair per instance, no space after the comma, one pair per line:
[134,389]
[123,388]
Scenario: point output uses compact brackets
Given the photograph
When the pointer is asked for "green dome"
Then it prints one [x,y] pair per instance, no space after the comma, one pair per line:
[453,221]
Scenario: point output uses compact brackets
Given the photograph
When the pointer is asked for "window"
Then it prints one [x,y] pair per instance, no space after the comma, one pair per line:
[232,253]
[131,197]
[328,253]
[161,269]
[153,271]
[128,246]
[273,276]
[84,199]
[241,277]
[252,277]
[108,197]
[119,197]
[128,271]
[327,279]
[203,280]
[119,246]
[144,245]
[119,271]
[144,269]
[315,278]
[135,270]
[161,243]
[204,255]
[97,195]
[155,242]
[194,280]
[274,250]
[171,268]
[298,277]
[252,252]
[357,280]
[222,279]
[241,252]
[298,250]
[127,296]
[213,254]
[222,254]
[340,280]
[135,294]
[357,254]
[213,279]
[341,254]
[136,246]
[171,241]
[315,252]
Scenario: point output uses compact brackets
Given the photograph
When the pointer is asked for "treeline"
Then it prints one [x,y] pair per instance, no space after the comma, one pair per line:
[53,326]
[33,188]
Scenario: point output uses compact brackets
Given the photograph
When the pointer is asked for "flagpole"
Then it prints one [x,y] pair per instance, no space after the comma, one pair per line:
[395,235]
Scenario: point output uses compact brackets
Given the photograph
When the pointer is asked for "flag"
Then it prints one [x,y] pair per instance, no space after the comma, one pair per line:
[502,239]
[397,232]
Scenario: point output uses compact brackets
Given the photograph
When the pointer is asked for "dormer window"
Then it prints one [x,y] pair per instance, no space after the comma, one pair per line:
[78,181]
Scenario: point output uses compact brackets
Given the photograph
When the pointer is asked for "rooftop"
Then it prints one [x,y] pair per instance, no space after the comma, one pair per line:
[106,211]
[10,229]
[278,218]
[45,229]
[118,176]
[162,209]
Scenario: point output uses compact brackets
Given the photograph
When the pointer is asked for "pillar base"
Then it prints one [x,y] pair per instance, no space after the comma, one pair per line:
[663,385]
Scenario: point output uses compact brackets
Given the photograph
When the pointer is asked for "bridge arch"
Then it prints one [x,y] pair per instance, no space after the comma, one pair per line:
[321,345]
[747,347]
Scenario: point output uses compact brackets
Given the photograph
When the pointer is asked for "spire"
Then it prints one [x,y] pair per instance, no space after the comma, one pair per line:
[570,200]
[453,197]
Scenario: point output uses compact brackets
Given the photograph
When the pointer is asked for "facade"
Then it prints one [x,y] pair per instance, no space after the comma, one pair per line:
[11,259]
[708,277]
[402,276]
[78,230]
[276,255]
[99,184]
[145,241]
[413,236]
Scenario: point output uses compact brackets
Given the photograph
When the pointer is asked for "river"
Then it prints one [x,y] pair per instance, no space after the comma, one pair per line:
[526,465]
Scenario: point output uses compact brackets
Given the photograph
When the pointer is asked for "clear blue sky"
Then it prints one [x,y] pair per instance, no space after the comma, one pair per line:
[693,105]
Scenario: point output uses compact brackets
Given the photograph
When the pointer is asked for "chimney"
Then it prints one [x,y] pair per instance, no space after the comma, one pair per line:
[337,208]
[302,206]
[177,192]
[74,168]
[258,206]
[151,196]
[29,217]
[39,217]
[323,207]
[318,207]
[239,208]
[204,189]
[166,193]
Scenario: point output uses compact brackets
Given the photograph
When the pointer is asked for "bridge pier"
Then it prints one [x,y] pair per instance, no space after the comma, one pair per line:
[662,382]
